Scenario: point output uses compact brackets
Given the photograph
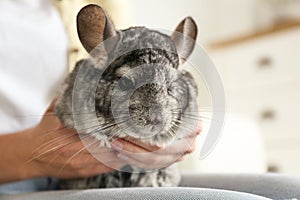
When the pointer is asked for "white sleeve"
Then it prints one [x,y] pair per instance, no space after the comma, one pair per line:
[33,61]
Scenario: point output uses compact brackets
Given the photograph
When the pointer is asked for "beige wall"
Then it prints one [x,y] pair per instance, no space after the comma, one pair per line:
[119,10]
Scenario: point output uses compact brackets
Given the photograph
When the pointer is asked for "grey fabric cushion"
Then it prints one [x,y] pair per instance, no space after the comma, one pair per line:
[137,193]
[274,186]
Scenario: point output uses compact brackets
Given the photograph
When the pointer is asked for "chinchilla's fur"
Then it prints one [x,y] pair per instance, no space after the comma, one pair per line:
[158,106]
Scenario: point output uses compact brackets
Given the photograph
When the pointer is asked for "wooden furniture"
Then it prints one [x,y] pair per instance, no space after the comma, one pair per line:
[260,72]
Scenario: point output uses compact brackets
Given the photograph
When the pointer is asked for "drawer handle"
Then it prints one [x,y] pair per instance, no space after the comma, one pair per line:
[264,62]
[273,168]
[268,115]
[74,50]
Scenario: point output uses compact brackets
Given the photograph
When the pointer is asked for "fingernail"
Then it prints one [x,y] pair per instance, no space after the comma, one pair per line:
[123,157]
[117,145]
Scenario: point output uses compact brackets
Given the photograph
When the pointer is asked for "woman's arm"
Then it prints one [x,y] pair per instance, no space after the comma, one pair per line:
[51,150]
[14,152]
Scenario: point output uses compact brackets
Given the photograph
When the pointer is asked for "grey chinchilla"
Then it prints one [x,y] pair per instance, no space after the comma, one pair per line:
[153,95]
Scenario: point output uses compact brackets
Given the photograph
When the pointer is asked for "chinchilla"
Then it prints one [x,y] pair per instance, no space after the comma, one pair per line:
[130,85]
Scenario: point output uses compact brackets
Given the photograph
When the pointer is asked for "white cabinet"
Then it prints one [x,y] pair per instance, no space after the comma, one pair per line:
[261,77]
[266,60]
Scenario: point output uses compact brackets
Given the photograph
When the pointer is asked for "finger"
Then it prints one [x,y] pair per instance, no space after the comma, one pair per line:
[128,149]
[152,162]
[199,128]
[51,106]
[140,154]
[181,158]
[126,146]
[192,148]
[132,161]
[150,158]
[141,144]
[178,146]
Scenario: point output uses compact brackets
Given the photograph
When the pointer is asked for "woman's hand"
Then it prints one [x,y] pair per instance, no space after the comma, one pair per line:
[153,157]
[59,152]
[56,151]
[49,149]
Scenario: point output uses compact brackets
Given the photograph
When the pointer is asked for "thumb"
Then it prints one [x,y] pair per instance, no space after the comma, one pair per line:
[52,106]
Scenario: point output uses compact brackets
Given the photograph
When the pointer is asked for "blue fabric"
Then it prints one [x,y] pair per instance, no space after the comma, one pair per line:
[32,185]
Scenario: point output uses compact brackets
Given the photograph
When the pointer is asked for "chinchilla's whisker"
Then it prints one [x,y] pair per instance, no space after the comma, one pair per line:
[85,130]
[124,128]
[198,110]
[95,120]
[203,119]
[198,113]
[117,109]
[52,160]
[94,131]
[75,154]
[50,142]
[91,119]
[197,116]
[79,112]
[180,125]
[185,127]
[49,150]
[110,125]
[191,114]
[103,125]
[55,157]
[173,132]
[118,117]
[85,121]
[184,122]
[61,130]
[48,132]
[71,114]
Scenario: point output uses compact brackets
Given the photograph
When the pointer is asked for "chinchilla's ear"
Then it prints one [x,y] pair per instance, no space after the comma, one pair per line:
[184,38]
[94,26]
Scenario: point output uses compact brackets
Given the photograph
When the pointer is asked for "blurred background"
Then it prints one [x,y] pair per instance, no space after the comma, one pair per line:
[255,45]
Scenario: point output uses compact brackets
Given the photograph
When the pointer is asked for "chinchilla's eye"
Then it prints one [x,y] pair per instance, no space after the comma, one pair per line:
[126,84]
